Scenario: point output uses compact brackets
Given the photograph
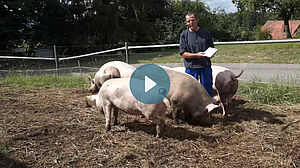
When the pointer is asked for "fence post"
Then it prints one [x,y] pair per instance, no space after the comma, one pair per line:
[80,71]
[56,60]
[126,53]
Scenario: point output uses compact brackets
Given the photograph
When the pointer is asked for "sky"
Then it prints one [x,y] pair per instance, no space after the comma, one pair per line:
[225,4]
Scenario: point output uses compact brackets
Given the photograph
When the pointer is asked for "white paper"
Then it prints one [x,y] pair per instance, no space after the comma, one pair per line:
[210,52]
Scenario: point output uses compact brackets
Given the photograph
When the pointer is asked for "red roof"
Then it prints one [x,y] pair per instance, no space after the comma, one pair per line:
[276,28]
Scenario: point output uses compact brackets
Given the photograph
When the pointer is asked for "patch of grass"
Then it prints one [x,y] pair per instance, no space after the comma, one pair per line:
[165,56]
[270,93]
[47,81]
[277,53]
[3,151]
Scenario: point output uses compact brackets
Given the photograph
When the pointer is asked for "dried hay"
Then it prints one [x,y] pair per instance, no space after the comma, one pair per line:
[53,128]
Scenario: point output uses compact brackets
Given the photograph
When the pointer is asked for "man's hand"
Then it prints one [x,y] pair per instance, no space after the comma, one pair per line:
[200,54]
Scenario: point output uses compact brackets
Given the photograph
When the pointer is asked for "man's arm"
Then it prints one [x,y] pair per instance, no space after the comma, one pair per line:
[192,55]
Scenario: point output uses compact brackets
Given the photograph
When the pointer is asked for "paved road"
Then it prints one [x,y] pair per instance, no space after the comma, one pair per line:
[278,73]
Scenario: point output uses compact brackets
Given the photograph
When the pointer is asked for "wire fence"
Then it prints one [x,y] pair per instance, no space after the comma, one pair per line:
[57,60]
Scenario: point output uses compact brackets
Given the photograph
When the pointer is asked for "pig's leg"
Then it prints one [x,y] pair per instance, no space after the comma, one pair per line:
[160,126]
[218,99]
[225,105]
[223,108]
[107,112]
[158,118]
[229,104]
[116,112]
[175,113]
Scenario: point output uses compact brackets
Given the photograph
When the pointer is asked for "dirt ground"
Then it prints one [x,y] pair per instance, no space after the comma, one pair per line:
[53,128]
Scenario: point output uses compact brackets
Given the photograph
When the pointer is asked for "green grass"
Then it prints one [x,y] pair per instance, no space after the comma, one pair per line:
[166,56]
[3,151]
[276,53]
[45,81]
[279,53]
[259,92]
[270,93]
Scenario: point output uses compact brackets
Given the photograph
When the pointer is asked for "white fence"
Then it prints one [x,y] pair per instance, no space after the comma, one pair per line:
[126,48]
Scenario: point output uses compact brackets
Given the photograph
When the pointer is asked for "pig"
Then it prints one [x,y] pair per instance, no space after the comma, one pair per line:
[115,95]
[225,85]
[189,100]
[110,70]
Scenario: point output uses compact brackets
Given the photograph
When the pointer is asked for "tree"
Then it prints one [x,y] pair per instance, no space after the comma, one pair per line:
[225,26]
[283,8]
[173,23]
[13,23]
[138,18]
[51,23]
[103,23]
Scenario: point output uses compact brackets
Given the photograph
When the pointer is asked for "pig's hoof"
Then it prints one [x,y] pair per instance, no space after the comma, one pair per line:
[108,128]
[160,135]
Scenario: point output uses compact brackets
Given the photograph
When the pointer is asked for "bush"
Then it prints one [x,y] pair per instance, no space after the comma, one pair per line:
[262,34]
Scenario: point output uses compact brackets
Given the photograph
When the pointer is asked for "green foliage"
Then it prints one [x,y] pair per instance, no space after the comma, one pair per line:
[107,23]
[173,23]
[54,23]
[246,35]
[12,23]
[3,151]
[224,26]
[270,93]
[47,81]
[284,9]
[262,34]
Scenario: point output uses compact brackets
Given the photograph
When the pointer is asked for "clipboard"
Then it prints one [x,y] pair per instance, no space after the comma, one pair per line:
[210,52]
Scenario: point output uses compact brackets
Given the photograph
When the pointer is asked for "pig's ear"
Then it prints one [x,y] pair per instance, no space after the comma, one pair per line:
[90,100]
[210,107]
[91,80]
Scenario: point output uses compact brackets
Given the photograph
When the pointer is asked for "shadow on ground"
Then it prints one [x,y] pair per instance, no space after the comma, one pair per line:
[174,132]
[239,112]
[7,162]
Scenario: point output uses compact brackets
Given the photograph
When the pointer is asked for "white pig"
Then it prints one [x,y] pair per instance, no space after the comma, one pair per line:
[115,95]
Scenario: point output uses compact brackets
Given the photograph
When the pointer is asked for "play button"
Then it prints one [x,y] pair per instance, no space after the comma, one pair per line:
[149,84]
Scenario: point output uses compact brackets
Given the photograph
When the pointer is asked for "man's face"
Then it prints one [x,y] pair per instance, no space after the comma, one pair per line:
[191,21]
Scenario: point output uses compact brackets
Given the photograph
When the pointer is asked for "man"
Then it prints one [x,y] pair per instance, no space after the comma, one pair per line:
[193,42]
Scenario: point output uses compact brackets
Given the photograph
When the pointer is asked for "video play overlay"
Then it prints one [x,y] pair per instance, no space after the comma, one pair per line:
[149,84]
